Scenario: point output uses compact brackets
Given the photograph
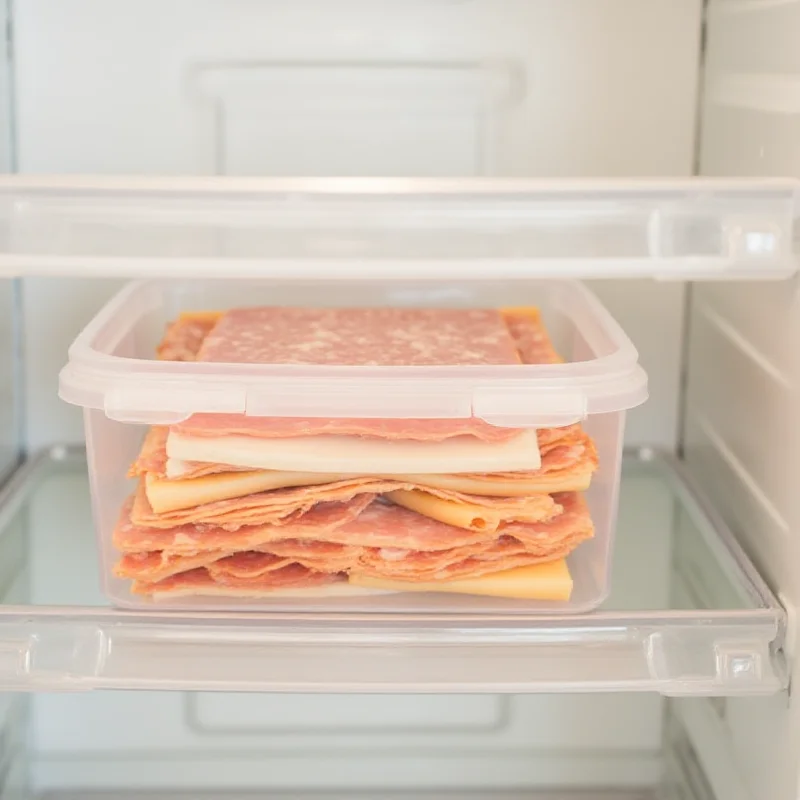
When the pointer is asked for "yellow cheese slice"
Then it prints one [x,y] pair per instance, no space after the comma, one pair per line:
[461,515]
[550,581]
[532,312]
[472,516]
[199,316]
[174,495]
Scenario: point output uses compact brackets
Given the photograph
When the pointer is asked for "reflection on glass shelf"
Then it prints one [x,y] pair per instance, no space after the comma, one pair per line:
[411,795]
[688,615]
[9,362]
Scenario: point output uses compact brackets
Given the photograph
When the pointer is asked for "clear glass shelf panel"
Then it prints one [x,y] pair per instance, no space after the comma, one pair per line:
[688,615]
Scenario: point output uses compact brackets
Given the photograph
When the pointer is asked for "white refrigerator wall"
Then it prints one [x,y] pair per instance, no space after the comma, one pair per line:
[742,438]
[409,87]
[9,422]
[272,87]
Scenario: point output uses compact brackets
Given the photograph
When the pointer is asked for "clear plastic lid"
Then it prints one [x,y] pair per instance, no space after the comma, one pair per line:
[112,364]
[412,228]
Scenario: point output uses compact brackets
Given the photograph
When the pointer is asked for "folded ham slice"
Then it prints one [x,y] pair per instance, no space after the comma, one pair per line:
[200,582]
[382,541]
[355,520]
[277,506]
[191,538]
[518,546]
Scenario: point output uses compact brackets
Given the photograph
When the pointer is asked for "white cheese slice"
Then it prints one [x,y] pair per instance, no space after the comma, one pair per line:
[357,455]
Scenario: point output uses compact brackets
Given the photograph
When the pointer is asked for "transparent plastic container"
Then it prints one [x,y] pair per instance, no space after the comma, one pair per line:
[114,375]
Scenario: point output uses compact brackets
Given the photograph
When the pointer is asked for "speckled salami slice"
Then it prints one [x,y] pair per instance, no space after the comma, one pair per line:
[201,582]
[508,337]
[377,337]
[377,524]
[360,337]
[384,542]
[317,556]
[191,538]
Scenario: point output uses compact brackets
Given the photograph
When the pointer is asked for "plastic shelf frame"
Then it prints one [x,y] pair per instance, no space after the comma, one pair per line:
[689,615]
[125,226]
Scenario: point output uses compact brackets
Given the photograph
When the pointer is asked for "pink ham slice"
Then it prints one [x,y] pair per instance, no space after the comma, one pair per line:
[434,430]
[201,582]
[519,545]
[191,538]
[383,541]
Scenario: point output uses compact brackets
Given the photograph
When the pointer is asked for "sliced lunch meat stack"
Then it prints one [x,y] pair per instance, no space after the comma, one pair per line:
[201,582]
[382,540]
[244,506]
[280,505]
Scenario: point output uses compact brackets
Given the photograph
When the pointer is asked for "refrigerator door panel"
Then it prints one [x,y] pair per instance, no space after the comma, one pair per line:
[741,433]
[10,298]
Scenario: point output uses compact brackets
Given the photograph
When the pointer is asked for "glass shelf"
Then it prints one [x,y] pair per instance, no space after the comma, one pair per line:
[689,615]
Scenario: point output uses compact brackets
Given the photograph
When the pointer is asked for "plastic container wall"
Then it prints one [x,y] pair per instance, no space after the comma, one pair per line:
[113,374]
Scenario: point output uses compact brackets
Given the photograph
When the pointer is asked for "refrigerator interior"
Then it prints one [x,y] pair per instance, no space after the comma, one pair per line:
[437,88]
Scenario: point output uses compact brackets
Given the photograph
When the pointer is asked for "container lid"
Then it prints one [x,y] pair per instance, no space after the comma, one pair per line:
[112,367]
[414,228]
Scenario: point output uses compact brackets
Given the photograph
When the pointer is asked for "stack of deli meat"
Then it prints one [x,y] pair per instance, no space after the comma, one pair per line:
[247,506]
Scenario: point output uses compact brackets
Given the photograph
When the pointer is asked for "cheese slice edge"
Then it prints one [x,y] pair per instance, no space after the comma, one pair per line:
[359,455]
[549,581]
